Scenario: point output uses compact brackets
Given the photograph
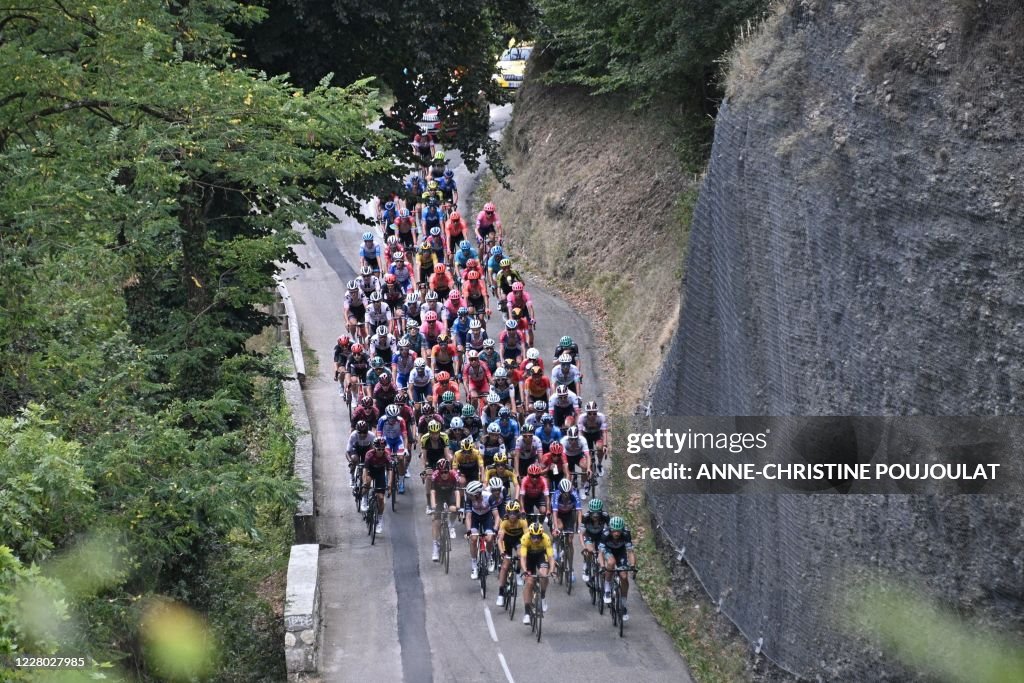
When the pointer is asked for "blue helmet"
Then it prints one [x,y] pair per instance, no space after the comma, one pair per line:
[404,213]
[389,206]
[463,310]
[496,250]
[367,236]
[464,245]
[449,173]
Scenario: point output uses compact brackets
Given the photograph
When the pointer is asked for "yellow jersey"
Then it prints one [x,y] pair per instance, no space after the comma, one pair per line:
[464,458]
[508,476]
[529,546]
[513,529]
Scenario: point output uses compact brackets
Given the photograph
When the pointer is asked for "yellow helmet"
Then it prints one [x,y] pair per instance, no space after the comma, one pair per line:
[500,459]
[513,506]
[434,427]
[536,529]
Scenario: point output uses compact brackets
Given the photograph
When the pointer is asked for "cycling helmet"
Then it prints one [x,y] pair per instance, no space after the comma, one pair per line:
[432,185]
[473,354]
[474,488]
[496,483]
[403,343]
[475,324]
[562,390]
[382,330]
[510,324]
[449,173]
[617,524]
[443,376]
[565,358]
[547,419]
[390,279]
[439,268]
[573,432]
[591,407]
[352,286]
[518,286]
[532,354]
[536,529]
[454,294]
[464,245]
[504,412]
[367,236]
[565,342]
[399,257]
[442,338]
[565,485]
[489,207]
[439,156]
[513,507]
[556,448]
[448,397]
[433,204]
[366,270]
[431,295]
[493,428]
[404,213]
[496,249]
[493,398]
[537,370]
[376,362]
[344,340]
[420,362]
[466,443]
[468,411]
[366,401]
[595,505]
[392,410]
[457,423]
[430,316]
[534,470]
[434,427]
[392,239]
[412,297]
[488,343]
[424,246]
[500,372]
[528,428]
[389,206]
[473,275]
[380,441]
[375,296]
[385,378]
[500,459]
[505,263]
[444,464]
[540,406]
[401,397]
[435,231]
[362,427]
[357,348]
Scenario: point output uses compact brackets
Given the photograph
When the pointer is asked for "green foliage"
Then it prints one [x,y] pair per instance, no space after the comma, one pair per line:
[644,47]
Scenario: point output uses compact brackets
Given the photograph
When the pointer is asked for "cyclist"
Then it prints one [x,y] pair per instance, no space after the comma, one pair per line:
[593,524]
[491,444]
[384,391]
[457,430]
[405,226]
[534,491]
[359,441]
[536,554]
[566,374]
[383,344]
[455,229]
[519,298]
[528,449]
[475,293]
[438,166]
[431,328]
[489,355]
[413,312]
[502,387]
[491,407]
[432,218]
[499,494]
[441,281]
[481,518]
[394,430]
[547,433]
[533,359]
[503,281]
[508,427]
[445,384]
[452,305]
[423,146]
[538,386]
[477,378]
[594,426]
[386,208]
[366,410]
[477,337]
[436,242]
[616,545]
[403,364]
[377,469]
[354,310]
[426,259]
[342,351]
[445,496]
[500,469]
[464,254]
[414,188]
[444,357]
[460,328]
[540,409]
[566,514]
[510,534]
[401,271]
[421,381]
[513,341]
[378,313]
[406,412]
[433,445]
[449,407]
[565,406]
[368,282]
[554,463]
[488,222]
[357,369]
[567,345]
[468,461]
[449,188]
[472,421]
[492,264]
[369,254]
[577,454]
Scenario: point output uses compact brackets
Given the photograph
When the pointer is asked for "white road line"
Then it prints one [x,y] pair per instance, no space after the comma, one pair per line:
[490,623]
[504,665]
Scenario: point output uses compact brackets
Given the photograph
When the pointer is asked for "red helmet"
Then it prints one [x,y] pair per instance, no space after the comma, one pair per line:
[443,376]
[556,448]
[344,340]
[472,264]
[473,275]
[444,464]
[357,348]
[390,278]
[430,316]
[454,295]
[518,286]
[489,207]
[439,268]
[534,470]
[456,217]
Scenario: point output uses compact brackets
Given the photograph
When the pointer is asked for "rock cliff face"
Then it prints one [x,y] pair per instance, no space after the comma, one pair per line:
[856,250]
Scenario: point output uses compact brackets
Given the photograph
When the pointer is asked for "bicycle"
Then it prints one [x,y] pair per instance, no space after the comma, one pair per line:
[357,490]
[370,515]
[483,557]
[444,540]
[537,609]
[616,604]
[564,546]
[393,483]
[594,574]
[512,586]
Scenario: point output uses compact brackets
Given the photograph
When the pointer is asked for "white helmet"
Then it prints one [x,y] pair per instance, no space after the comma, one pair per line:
[565,485]
[457,423]
[494,428]
[392,410]
[532,354]
[493,398]
[474,488]
[565,358]
[496,483]
[382,331]
[420,362]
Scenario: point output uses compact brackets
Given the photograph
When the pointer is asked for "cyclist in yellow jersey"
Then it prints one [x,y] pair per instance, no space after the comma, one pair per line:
[501,470]
[536,554]
[510,534]
[468,461]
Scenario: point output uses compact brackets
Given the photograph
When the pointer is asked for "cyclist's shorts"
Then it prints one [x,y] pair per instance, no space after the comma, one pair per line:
[536,562]
[592,439]
[529,502]
[481,524]
[568,520]
[444,497]
[510,544]
[619,555]
[379,474]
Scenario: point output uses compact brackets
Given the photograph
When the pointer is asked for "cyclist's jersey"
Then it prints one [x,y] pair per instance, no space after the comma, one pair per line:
[490,450]
[360,443]
[460,328]
[534,487]
[431,218]
[567,402]
[447,186]
[431,331]
[537,387]
[427,260]
[391,430]
[355,302]
[512,340]
[421,377]
[385,393]
[462,257]
[475,340]
[358,363]
[509,427]
[468,460]
[476,373]
[575,448]
[514,529]
[433,446]
[371,255]
[439,391]
[383,344]
[505,278]
[624,541]
[507,476]
[530,547]
[491,357]
[528,453]
[546,437]
[474,424]
[562,502]
[482,221]
[393,295]
[444,353]
[378,315]
[549,460]
[494,263]
[424,423]
[412,310]
[369,284]
[437,169]
[449,410]
[502,387]
[341,354]
[518,301]
[367,415]
[444,481]
[484,505]
[375,458]
[454,228]
[565,378]
[405,363]
[595,523]
[593,424]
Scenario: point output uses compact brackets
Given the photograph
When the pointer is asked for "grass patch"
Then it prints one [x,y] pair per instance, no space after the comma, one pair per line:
[310,358]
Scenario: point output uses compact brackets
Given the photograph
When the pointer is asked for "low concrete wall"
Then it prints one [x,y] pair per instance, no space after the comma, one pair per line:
[302,610]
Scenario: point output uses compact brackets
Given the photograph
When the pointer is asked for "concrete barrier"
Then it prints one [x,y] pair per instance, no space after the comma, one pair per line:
[302,610]
[294,338]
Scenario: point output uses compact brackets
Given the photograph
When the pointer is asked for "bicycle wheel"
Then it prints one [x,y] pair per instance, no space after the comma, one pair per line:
[614,607]
[538,611]
[371,519]
[567,561]
[445,546]
[393,486]
[622,623]
[481,572]
[600,593]
[348,400]
[511,593]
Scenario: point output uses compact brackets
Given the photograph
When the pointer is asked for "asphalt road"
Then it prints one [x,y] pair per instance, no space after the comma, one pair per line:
[390,613]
